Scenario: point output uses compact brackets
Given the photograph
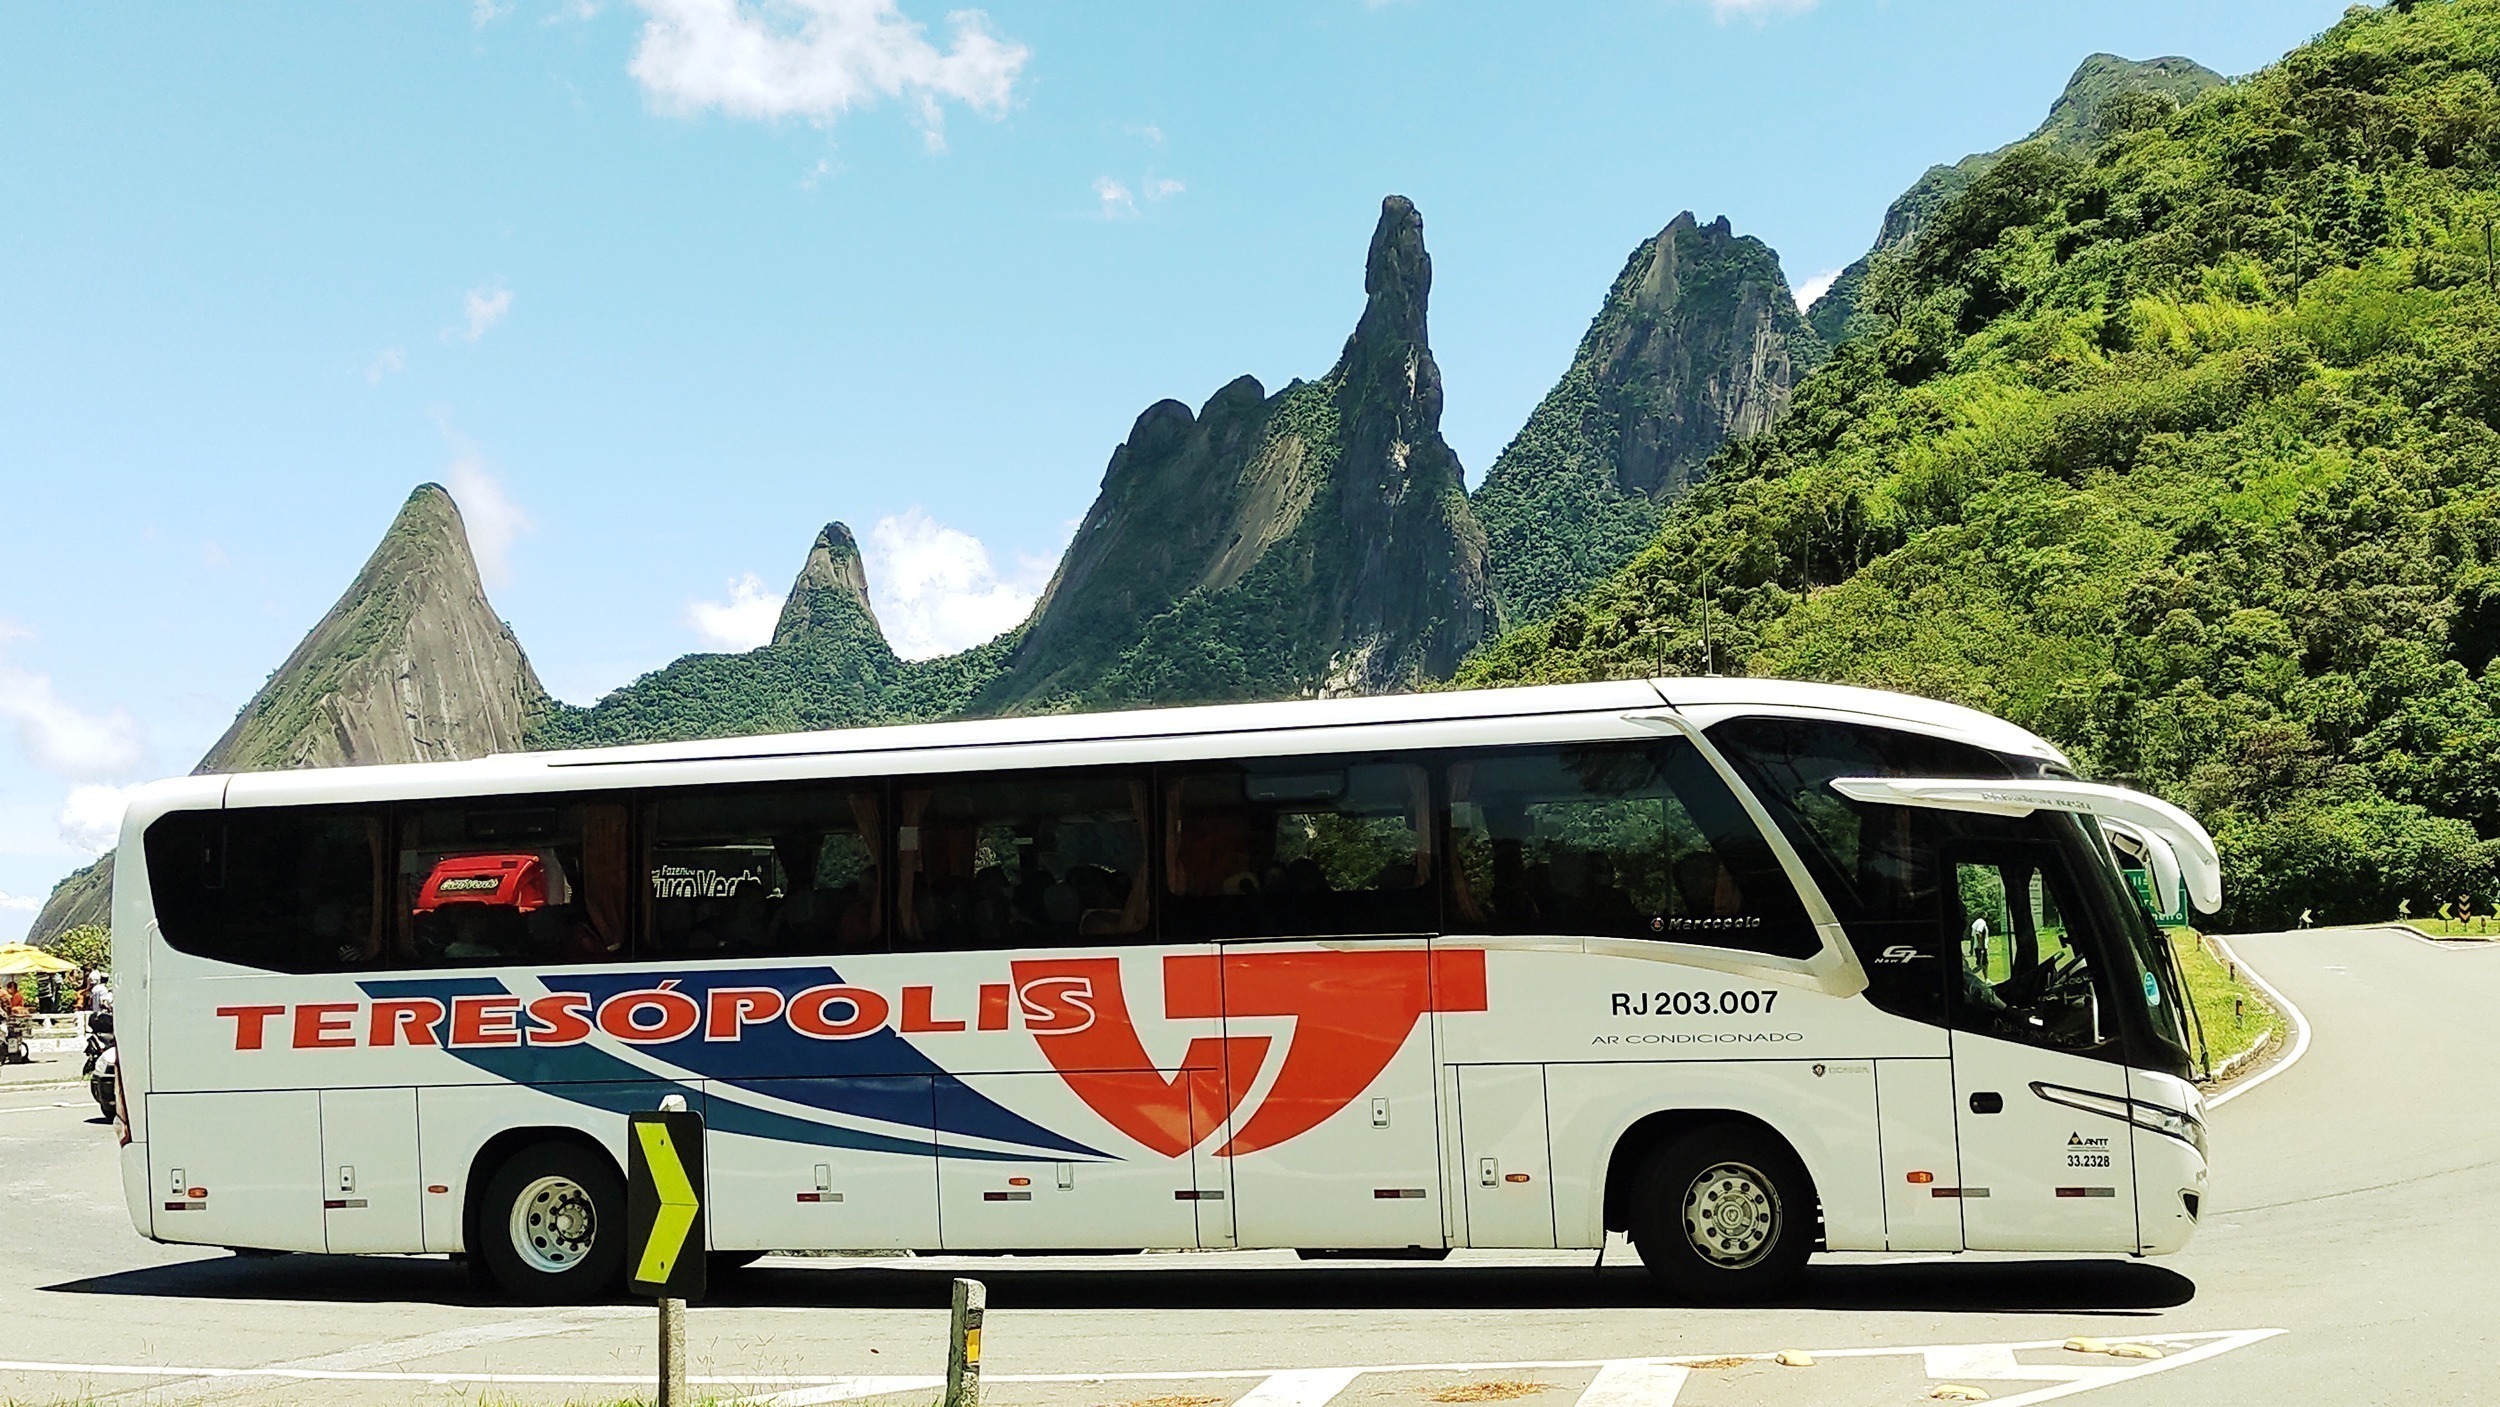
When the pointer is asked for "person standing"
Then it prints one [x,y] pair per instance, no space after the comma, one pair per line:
[99,992]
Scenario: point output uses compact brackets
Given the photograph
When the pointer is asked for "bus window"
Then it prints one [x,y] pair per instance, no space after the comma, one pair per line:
[283,891]
[1624,840]
[521,880]
[764,870]
[2024,975]
[1021,860]
[1298,847]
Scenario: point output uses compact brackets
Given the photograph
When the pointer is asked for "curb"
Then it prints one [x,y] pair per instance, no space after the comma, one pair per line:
[2291,1013]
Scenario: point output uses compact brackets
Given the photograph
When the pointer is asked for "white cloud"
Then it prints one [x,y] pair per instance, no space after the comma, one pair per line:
[936,590]
[1725,10]
[818,59]
[1117,200]
[58,735]
[742,622]
[391,361]
[483,307]
[491,516]
[20,903]
[1163,188]
[91,817]
[485,12]
[1815,287]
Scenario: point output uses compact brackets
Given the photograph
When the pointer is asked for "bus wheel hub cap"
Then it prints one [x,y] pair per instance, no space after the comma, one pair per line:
[1731,1215]
[553,1224]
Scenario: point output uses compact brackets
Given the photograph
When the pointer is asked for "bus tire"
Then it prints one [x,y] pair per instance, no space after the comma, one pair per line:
[1723,1214]
[551,1225]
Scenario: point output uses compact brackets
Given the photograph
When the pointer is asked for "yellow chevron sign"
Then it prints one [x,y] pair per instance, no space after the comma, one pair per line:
[664,1242]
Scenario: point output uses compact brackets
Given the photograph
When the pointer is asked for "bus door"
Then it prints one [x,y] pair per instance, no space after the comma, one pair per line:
[1334,1139]
[2034,1045]
[1315,878]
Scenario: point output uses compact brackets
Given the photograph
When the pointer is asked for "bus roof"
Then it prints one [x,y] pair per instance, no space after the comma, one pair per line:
[745,758]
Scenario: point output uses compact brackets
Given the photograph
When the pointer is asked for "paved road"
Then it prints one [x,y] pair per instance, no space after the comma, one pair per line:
[2354,1211]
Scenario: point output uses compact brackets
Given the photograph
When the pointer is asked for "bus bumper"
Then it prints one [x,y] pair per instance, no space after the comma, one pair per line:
[2170,1193]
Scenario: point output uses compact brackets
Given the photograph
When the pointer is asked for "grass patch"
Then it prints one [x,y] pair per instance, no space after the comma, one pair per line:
[2236,1016]
[1172,1399]
[2479,926]
[1713,1364]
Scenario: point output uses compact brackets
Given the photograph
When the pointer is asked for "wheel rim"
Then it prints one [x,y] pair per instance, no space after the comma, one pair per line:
[1732,1215]
[553,1224]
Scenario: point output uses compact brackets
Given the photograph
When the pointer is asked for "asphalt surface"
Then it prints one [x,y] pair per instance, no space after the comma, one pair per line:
[2353,1211]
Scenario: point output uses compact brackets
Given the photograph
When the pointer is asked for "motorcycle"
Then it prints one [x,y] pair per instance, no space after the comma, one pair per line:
[103,1058]
[13,1047]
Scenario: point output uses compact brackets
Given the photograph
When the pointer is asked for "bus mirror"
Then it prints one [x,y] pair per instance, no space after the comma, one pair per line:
[2160,860]
[2191,848]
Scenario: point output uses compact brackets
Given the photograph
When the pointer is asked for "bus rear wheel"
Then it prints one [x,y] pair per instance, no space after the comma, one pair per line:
[1723,1214]
[551,1225]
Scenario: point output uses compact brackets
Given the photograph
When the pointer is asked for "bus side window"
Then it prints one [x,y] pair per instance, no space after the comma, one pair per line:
[280,890]
[1623,840]
[1017,860]
[2022,977]
[1298,847]
[764,870]
[512,880]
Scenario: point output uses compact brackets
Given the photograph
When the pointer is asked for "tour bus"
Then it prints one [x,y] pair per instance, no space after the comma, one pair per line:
[1747,969]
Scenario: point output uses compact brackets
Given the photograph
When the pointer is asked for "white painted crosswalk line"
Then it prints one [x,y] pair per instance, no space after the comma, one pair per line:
[843,1390]
[1635,1385]
[1309,1387]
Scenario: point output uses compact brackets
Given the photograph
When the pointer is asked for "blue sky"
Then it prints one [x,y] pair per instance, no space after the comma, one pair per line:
[661,286]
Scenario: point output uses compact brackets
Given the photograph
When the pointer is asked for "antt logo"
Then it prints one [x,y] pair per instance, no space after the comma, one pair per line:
[1351,1013]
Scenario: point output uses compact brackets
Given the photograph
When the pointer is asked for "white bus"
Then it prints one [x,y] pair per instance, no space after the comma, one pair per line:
[1746,969]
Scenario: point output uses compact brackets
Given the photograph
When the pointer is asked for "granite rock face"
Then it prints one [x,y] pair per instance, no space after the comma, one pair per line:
[1697,343]
[1317,540]
[411,665]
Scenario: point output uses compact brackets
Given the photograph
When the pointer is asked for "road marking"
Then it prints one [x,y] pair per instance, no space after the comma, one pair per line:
[1636,1385]
[31,1108]
[393,1351]
[1301,1387]
[2185,1349]
[844,1390]
[2291,1013]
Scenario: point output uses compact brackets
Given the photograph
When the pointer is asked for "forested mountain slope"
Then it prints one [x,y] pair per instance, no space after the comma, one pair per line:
[828,666]
[2187,456]
[1699,340]
[2106,95]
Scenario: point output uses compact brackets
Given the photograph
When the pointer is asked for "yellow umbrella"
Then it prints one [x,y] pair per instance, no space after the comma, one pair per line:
[17,958]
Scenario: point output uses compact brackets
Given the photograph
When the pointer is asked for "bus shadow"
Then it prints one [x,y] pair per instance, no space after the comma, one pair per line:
[1990,1287]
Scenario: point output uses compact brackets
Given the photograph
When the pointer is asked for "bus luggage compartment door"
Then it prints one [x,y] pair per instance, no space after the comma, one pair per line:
[237,1169]
[1503,1157]
[369,1170]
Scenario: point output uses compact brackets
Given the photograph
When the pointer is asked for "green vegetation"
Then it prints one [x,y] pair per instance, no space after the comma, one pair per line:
[2187,456]
[2236,1016]
[88,945]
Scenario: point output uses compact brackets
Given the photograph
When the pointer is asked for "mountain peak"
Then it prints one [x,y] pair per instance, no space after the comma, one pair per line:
[832,584]
[411,665]
[1397,281]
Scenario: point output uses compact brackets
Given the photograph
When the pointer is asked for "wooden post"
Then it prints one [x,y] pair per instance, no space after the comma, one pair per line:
[963,1348]
[673,1354]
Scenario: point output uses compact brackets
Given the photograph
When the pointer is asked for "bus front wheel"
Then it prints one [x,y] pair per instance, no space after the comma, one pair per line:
[551,1224]
[1722,1214]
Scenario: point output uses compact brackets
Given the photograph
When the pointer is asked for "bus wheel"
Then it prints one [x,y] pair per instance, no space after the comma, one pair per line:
[551,1225]
[1722,1215]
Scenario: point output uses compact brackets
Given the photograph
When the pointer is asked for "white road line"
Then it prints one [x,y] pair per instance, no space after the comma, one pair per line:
[1302,1387]
[2291,1013]
[2189,1348]
[842,1390]
[390,1353]
[2198,1354]
[31,1108]
[1636,1385]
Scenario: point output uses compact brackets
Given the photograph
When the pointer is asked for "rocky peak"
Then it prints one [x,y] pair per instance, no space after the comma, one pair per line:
[411,665]
[832,587]
[1698,342]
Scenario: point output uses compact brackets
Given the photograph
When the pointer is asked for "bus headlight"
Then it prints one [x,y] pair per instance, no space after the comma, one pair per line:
[2180,1124]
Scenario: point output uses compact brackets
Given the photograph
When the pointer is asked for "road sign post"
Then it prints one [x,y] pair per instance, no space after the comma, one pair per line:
[963,1346]
[664,1230]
